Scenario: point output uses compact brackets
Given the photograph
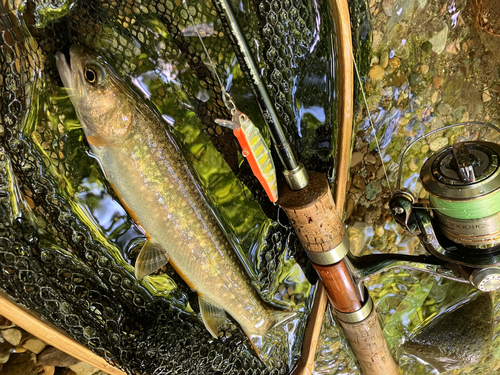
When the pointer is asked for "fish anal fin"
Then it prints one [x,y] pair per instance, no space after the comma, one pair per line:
[151,258]
[213,316]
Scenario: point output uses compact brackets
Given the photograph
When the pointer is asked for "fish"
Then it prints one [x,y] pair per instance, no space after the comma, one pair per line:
[147,171]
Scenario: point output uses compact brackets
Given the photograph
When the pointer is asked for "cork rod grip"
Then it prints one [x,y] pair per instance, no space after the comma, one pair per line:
[319,227]
[370,347]
[313,214]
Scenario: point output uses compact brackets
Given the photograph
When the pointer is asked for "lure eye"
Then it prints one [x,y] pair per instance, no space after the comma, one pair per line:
[243,118]
[91,75]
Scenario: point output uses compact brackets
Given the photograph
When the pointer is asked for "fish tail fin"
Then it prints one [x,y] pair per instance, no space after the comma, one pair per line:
[276,347]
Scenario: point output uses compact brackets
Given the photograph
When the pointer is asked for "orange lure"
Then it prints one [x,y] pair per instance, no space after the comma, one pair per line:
[255,150]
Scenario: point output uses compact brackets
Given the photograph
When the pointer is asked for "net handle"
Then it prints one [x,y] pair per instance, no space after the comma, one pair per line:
[345,109]
[51,335]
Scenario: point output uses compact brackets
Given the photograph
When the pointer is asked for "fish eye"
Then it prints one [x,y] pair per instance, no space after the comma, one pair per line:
[90,75]
[94,74]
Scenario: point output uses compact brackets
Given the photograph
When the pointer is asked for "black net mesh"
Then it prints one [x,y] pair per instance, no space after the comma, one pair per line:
[51,260]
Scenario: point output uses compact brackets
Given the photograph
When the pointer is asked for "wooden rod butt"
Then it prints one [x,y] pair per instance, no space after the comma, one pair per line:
[339,286]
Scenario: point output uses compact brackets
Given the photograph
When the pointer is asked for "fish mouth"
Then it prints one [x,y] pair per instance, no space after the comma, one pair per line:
[64,70]
[66,66]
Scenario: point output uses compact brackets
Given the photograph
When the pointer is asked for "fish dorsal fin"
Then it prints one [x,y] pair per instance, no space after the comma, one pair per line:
[151,258]
[213,316]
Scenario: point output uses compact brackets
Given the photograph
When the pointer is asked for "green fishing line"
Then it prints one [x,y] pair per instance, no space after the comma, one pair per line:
[476,208]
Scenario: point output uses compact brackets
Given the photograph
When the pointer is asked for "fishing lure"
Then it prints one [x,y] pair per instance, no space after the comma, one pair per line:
[249,137]
[255,150]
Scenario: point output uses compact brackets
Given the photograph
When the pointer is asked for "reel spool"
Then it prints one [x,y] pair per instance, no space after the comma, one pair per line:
[461,221]
[463,181]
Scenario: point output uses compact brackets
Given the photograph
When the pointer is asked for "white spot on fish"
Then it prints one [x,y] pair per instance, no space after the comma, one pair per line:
[260,323]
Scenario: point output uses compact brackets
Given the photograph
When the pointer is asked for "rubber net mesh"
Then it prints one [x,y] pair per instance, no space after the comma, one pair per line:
[54,262]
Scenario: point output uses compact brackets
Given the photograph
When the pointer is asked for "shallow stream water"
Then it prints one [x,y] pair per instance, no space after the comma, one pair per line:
[429,65]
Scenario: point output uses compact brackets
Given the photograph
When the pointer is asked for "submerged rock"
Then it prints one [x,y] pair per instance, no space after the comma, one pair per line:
[376,73]
[458,337]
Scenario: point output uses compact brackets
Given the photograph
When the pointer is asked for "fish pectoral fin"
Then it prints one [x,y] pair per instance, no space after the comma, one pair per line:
[96,140]
[213,316]
[151,258]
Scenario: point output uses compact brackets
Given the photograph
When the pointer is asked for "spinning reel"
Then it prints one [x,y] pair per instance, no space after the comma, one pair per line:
[459,225]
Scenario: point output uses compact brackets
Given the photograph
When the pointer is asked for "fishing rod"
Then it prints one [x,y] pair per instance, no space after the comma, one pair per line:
[294,172]
[308,203]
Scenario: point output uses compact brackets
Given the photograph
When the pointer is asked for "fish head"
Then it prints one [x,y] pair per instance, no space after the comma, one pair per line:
[98,96]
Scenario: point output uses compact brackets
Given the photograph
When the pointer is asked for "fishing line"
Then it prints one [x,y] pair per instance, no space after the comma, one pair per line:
[457,213]
[434,208]
[278,219]
[253,145]
[370,120]
[226,97]
[469,209]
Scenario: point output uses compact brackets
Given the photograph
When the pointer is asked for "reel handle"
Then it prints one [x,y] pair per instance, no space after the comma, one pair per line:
[403,154]
[315,219]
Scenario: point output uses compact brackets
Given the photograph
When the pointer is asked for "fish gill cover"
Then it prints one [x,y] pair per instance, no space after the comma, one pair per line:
[67,247]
